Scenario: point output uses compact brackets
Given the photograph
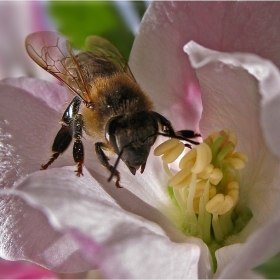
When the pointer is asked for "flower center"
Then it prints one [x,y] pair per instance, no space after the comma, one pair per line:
[206,189]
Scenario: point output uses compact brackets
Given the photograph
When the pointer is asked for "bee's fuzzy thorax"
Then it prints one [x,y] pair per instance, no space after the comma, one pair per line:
[112,96]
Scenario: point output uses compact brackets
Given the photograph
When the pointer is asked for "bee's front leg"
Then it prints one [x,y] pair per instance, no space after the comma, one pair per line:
[99,146]
[186,135]
[168,131]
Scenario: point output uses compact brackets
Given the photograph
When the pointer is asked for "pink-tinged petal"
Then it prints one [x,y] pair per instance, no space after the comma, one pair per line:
[270,114]
[25,234]
[24,270]
[234,89]
[116,236]
[260,246]
[157,59]
[27,127]
[158,63]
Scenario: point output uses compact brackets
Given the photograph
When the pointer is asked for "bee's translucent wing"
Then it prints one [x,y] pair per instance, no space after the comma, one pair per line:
[103,48]
[54,54]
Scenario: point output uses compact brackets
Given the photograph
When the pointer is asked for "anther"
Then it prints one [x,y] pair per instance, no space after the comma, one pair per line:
[181,175]
[203,158]
[174,153]
[237,160]
[230,135]
[166,146]
[190,156]
[170,149]
[219,204]
[216,176]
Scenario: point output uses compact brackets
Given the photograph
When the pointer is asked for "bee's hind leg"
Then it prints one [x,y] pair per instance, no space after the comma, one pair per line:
[78,147]
[61,142]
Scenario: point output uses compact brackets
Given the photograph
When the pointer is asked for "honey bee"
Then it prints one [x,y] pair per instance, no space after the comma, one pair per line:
[109,105]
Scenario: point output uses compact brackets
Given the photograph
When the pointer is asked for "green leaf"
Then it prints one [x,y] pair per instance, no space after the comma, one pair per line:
[271,268]
[79,19]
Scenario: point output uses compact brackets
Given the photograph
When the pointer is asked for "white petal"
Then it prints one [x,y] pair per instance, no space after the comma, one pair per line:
[140,254]
[232,85]
[123,239]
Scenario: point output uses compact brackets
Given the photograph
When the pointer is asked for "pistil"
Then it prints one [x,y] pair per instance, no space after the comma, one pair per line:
[206,188]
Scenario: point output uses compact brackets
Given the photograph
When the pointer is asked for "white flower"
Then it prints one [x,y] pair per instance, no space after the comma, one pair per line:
[74,224]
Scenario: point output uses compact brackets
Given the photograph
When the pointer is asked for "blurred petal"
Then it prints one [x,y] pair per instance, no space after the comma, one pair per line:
[55,96]
[23,270]
[115,236]
[17,20]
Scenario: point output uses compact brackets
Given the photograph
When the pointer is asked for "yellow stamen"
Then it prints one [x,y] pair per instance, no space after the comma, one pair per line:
[203,158]
[166,146]
[190,156]
[207,185]
[215,203]
[173,154]
[171,150]
[216,176]
[238,160]
[181,175]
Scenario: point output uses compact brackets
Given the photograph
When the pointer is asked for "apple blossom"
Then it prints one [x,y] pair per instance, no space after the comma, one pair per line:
[75,224]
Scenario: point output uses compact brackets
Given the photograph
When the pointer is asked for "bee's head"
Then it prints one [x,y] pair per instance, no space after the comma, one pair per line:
[131,137]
